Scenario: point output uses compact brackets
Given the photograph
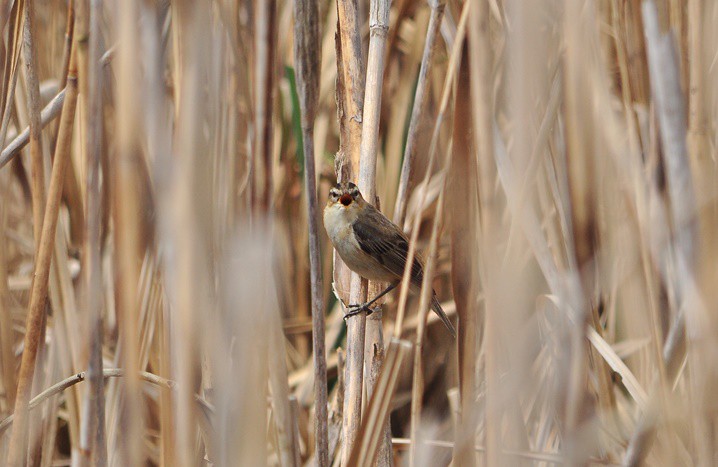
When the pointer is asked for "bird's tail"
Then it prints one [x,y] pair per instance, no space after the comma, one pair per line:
[436,306]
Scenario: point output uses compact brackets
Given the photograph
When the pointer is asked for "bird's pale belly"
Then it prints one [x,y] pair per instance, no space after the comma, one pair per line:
[353,256]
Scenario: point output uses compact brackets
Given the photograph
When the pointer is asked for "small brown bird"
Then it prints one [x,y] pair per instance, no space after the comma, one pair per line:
[371,245]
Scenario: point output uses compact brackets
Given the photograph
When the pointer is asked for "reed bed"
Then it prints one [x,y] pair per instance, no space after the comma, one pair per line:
[168,295]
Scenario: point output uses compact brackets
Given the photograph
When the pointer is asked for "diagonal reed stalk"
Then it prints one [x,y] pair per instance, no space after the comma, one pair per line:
[419,110]
[38,297]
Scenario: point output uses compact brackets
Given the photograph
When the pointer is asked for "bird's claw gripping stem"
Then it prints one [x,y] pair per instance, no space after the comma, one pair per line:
[356,309]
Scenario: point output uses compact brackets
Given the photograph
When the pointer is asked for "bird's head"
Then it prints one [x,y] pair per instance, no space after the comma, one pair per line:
[345,196]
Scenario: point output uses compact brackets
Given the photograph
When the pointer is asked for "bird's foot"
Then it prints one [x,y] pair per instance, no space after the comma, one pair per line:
[356,309]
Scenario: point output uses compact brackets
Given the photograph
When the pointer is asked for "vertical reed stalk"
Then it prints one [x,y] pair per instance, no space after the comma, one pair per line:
[126,208]
[307,64]
[265,45]
[92,441]
[378,30]
[33,98]
[352,79]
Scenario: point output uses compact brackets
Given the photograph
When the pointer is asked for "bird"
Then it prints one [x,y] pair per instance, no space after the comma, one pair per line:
[372,246]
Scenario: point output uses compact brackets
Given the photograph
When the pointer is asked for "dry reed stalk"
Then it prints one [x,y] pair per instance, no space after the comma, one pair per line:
[665,86]
[352,70]
[446,92]
[191,289]
[12,56]
[159,151]
[350,92]
[374,341]
[371,434]
[419,109]
[634,138]
[582,168]
[92,443]
[248,285]
[473,115]
[6,332]
[38,297]
[33,97]
[400,83]
[307,65]
[264,84]
[125,208]
[287,444]
[418,385]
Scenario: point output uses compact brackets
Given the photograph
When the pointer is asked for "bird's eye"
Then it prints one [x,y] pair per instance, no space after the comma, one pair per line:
[346,199]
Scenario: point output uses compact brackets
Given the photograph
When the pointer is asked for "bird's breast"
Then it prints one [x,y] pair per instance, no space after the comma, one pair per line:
[341,233]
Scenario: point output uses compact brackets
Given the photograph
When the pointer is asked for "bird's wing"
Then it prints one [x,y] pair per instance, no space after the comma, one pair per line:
[385,242]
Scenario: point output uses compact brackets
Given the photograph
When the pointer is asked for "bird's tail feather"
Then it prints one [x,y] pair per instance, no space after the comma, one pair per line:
[436,306]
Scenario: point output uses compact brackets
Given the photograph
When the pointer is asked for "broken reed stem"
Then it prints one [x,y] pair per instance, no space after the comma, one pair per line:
[418,110]
[352,80]
[48,114]
[33,97]
[70,381]
[378,30]
[307,65]
[92,434]
[38,294]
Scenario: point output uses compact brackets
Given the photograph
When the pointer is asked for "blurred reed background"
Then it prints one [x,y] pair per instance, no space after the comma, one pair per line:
[165,276]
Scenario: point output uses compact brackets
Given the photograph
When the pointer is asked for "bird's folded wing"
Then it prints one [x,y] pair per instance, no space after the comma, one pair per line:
[380,238]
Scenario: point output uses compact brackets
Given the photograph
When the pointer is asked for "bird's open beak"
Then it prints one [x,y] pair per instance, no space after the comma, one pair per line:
[346,199]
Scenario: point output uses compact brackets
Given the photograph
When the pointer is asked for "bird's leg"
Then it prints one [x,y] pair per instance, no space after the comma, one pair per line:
[356,309]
